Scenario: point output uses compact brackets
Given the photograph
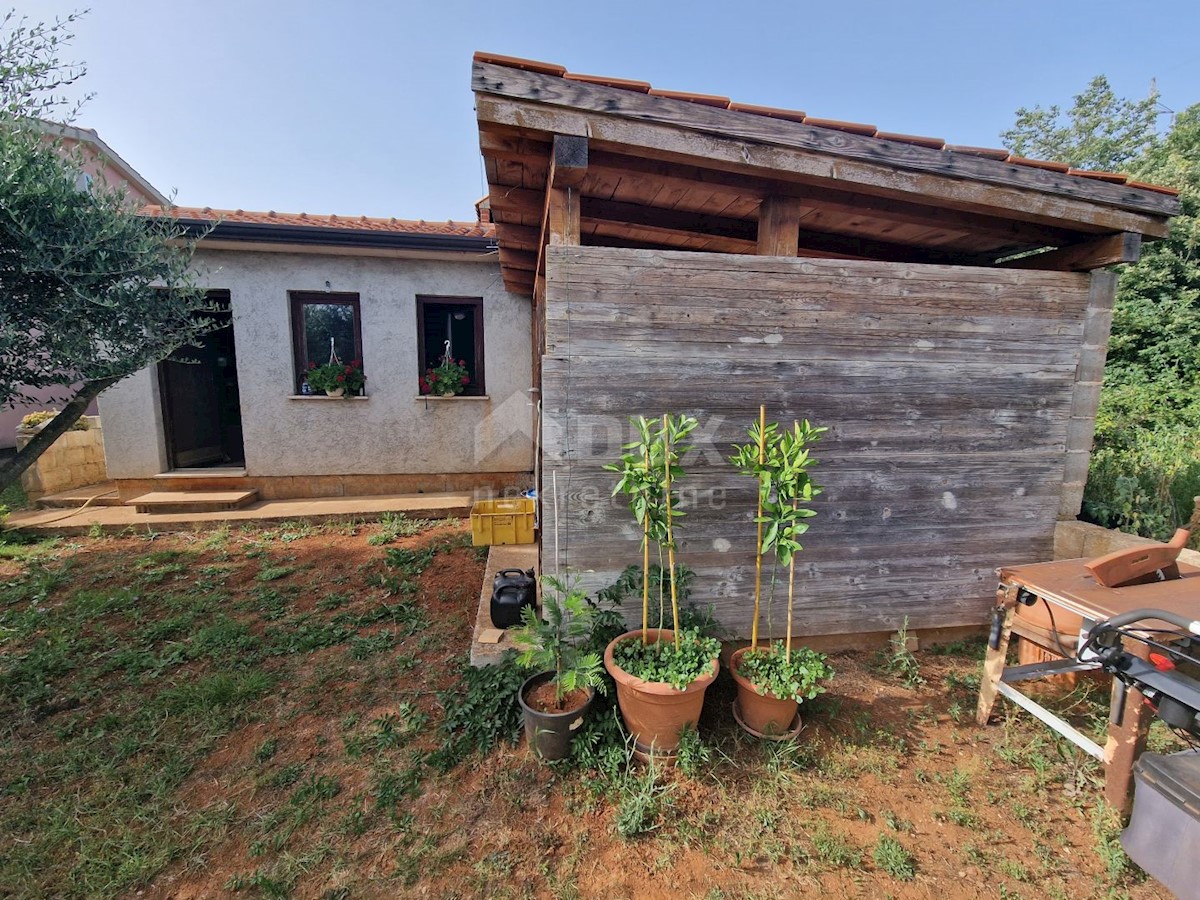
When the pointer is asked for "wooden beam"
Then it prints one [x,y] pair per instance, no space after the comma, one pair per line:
[557,94]
[517,259]
[517,200]
[779,226]
[562,220]
[569,165]
[1109,250]
[733,154]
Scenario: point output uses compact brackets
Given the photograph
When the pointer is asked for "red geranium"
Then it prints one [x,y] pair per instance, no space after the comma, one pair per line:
[341,378]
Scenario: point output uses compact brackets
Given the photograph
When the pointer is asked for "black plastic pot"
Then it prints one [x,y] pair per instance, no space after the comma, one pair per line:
[550,734]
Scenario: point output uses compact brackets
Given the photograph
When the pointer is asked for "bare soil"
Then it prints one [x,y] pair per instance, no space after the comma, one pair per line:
[322,786]
[544,698]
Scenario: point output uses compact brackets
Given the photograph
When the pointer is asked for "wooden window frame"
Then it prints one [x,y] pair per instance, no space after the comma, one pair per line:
[478,386]
[297,301]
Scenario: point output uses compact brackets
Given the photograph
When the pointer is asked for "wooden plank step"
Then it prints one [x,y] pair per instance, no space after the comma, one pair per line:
[192,501]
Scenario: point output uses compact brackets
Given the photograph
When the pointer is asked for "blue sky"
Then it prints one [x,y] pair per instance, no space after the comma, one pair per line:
[365,108]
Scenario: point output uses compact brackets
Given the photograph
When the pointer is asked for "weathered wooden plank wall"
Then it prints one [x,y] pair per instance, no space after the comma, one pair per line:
[947,391]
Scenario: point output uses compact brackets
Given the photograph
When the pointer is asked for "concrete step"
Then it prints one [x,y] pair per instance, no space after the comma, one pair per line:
[103,494]
[192,501]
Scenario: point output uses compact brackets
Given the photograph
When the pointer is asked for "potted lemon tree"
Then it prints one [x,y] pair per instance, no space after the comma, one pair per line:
[661,673]
[773,680]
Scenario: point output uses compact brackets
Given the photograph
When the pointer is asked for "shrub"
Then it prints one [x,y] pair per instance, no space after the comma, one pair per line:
[37,419]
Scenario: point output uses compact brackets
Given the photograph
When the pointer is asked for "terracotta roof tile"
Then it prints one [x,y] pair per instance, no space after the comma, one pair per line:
[792,115]
[798,116]
[836,125]
[304,220]
[1039,164]
[1113,177]
[703,99]
[624,84]
[931,142]
[985,152]
[516,62]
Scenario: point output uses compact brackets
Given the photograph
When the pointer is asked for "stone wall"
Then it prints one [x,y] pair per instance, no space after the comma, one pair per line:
[75,459]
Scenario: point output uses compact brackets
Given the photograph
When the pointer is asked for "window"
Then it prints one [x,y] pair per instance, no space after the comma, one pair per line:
[321,323]
[456,322]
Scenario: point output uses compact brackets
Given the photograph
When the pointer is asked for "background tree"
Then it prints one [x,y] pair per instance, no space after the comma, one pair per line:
[89,291]
[1100,131]
[1145,466]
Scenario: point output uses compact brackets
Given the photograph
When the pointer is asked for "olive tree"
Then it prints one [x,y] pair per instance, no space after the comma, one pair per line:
[90,292]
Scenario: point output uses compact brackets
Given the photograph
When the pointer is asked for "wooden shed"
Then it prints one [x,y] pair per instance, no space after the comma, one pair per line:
[686,253]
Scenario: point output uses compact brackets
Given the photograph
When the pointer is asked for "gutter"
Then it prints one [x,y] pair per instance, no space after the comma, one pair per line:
[256,233]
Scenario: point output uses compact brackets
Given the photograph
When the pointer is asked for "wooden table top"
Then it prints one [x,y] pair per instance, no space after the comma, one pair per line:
[1066,583]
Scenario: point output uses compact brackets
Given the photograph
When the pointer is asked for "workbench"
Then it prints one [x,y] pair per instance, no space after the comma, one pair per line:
[1068,586]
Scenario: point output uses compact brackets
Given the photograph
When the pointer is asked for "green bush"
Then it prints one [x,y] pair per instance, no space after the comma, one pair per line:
[1145,481]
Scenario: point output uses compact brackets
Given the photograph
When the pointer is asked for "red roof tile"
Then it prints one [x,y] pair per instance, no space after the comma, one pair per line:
[798,116]
[304,220]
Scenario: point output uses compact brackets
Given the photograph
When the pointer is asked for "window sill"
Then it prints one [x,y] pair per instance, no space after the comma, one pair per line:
[458,397]
[320,397]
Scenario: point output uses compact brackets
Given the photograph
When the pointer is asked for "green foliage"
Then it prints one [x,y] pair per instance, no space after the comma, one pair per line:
[899,660]
[783,483]
[799,677]
[1100,130]
[447,379]
[42,416]
[889,854]
[664,661]
[336,376]
[644,798]
[92,291]
[1146,464]
[396,525]
[481,711]
[550,642]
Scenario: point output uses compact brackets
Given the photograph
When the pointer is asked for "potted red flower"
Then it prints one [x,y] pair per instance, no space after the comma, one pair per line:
[448,379]
[337,379]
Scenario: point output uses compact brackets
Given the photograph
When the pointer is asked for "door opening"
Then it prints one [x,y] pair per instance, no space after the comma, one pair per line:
[202,413]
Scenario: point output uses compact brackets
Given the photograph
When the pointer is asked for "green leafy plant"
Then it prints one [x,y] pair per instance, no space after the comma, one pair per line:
[779,460]
[447,379]
[481,711]
[334,376]
[798,676]
[37,419]
[889,854]
[675,664]
[549,643]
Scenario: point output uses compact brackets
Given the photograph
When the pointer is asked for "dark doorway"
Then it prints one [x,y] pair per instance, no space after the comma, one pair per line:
[202,411]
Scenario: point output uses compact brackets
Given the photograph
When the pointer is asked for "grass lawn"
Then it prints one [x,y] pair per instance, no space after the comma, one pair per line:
[273,713]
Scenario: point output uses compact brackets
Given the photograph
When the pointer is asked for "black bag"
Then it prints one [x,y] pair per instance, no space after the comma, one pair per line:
[512,591]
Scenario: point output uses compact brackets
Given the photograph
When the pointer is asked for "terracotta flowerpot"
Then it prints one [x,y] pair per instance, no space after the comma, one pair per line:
[761,713]
[550,733]
[655,713]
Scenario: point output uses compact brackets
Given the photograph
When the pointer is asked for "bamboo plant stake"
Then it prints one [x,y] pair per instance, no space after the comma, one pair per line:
[787,653]
[758,554]
[666,436]
[646,564]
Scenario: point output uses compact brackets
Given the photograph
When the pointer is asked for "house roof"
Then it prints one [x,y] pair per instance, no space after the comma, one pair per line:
[676,170]
[271,227]
[106,155]
[800,117]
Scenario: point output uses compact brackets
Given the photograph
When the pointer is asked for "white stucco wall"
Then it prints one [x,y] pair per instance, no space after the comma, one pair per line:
[394,431]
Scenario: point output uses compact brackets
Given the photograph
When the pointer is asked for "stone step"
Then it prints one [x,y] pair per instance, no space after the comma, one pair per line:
[103,494]
[192,501]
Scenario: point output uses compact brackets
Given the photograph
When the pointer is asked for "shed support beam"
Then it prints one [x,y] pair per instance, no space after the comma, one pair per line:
[779,226]
[1109,250]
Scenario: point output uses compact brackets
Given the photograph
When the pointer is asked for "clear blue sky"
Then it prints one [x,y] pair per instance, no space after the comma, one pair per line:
[365,108]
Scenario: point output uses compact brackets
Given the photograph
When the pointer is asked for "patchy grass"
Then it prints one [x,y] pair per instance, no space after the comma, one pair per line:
[285,712]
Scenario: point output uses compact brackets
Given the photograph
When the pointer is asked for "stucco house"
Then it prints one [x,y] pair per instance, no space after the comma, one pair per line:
[233,413]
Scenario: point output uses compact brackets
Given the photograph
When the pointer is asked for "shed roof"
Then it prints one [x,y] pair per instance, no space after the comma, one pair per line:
[690,171]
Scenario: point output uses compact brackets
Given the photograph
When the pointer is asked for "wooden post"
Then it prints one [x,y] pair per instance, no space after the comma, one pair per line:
[762,457]
[779,226]
[993,664]
[1126,742]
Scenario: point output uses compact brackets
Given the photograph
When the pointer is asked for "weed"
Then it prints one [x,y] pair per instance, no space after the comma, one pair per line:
[266,750]
[693,753]
[900,660]
[835,849]
[274,573]
[644,798]
[480,712]
[220,691]
[410,562]
[1106,830]
[396,525]
[889,854]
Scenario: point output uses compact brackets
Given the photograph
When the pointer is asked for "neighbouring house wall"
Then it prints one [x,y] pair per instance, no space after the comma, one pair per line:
[947,392]
[393,431]
[73,460]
